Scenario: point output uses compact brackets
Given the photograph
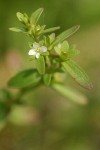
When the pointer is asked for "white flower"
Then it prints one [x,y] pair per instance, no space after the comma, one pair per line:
[37,50]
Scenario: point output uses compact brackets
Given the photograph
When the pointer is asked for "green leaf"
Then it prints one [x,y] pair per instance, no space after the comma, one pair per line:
[47,79]
[36,15]
[72,53]
[25,79]
[64,35]
[51,30]
[40,64]
[77,73]
[58,49]
[69,93]
[62,48]
[52,37]
[65,46]
[64,51]
[22,17]
[46,41]
[17,29]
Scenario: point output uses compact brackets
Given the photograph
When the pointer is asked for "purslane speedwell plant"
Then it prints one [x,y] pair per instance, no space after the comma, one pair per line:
[50,54]
[52,57]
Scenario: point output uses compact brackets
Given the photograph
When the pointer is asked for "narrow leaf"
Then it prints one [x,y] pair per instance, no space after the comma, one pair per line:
[62,50]
[52,37]
[65,46]
[70,94]
[58,49]
[36,15]
[25,79]
[51,30]
[20,16]
[17,29]
[64,35]
[77,73]
[40,64]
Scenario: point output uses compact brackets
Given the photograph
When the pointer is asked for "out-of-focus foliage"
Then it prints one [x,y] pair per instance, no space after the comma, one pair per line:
[66,125]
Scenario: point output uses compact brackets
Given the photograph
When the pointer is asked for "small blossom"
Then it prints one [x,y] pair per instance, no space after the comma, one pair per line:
[32,52]
[44,49]
[37,50]
[37,55]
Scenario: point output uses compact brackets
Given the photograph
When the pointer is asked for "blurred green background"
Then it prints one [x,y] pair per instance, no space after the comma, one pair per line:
[67,125]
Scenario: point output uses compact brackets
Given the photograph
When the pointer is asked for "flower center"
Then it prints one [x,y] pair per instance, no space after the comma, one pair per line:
[38,50]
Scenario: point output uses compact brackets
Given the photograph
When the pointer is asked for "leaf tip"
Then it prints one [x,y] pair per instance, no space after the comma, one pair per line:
[77,27]
[89,86]
[42,8]
[10,29]
[17,14]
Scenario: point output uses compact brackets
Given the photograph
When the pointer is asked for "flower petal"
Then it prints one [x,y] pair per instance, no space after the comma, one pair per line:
[35,45]
[43,49]
[37,55]
[31,52]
